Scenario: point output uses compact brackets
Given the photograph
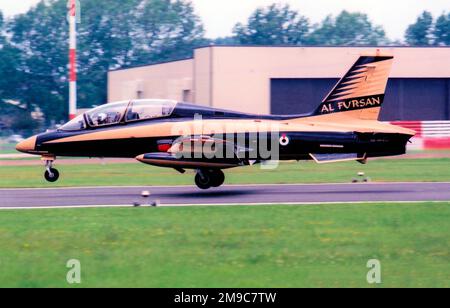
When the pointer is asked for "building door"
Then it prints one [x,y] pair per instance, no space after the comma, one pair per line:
[298,96]
[407,99]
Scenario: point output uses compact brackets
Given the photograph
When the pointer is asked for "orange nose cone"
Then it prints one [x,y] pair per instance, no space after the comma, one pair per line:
[140,158]
[27,145]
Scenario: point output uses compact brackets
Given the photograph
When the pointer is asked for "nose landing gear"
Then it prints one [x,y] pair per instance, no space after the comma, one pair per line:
[205,179]
[51,174]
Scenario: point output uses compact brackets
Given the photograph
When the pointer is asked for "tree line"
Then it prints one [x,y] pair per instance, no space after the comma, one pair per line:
[114,34]
[279,24]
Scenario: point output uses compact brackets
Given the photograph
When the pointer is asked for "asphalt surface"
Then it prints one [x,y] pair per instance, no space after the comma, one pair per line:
[247,194]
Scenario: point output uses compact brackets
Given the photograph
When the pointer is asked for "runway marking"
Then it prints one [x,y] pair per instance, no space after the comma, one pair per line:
[296,194]
[221,205]
[224,186]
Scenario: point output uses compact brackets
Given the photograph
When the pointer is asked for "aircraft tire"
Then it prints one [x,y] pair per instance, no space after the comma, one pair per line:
[217,178]
[51,176]
[203,182]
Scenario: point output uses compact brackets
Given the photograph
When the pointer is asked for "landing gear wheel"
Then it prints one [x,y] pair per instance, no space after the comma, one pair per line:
[51,175]
[217,178]
[203,180]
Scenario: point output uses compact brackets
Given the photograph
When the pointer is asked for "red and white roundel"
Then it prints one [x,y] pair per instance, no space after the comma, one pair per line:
[284,140]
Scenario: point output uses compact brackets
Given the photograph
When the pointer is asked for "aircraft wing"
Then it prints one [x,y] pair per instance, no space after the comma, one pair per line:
[199,152]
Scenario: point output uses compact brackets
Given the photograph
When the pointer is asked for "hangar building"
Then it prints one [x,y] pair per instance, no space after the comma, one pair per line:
[288,80]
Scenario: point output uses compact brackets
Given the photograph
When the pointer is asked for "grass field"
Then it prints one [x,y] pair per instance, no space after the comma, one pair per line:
[270,246]
[8,148]
[433,170]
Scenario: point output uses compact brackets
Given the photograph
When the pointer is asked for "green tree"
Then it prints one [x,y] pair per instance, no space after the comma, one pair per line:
[442,30]
[348,29]
[41,36]
[228,40]
[421,32]
[14,114]
[273,25]
[112,34]
[10,62]
[166,30]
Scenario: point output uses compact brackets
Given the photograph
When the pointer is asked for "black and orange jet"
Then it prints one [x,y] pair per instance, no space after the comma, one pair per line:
[184,136]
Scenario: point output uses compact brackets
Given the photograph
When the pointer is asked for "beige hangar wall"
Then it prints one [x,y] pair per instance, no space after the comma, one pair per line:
[238,78]
[169,81]
[242,74]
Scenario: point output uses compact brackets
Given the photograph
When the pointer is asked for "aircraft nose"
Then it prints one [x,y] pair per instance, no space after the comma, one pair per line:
[27,145]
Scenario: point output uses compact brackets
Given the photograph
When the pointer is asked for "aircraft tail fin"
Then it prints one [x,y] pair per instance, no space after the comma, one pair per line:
[360,93]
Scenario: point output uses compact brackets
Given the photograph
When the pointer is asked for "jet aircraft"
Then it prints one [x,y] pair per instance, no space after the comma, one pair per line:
[183,136]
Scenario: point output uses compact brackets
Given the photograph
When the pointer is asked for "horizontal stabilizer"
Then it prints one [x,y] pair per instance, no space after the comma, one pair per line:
[337,157]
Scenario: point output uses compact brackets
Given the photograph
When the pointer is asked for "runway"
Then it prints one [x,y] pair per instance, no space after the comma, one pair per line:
[226,195]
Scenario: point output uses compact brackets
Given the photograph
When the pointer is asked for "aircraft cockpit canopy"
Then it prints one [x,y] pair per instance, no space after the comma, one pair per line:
[106,114]
[115,113]
[149,109]
[75,124]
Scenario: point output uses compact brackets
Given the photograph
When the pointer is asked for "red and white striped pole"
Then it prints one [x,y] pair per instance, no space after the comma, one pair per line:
[72,59]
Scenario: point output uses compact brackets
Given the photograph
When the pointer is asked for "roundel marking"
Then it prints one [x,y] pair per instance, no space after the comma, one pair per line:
[284,140]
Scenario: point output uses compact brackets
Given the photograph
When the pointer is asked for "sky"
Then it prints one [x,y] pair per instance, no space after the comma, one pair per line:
[220,16]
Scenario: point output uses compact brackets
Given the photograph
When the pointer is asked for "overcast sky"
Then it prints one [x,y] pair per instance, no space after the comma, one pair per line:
[219,16]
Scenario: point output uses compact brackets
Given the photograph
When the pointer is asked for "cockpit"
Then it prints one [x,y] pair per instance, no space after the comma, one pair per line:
[121,112]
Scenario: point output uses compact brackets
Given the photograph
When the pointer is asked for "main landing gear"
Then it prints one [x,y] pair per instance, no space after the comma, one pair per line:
[51,174]
[206,179]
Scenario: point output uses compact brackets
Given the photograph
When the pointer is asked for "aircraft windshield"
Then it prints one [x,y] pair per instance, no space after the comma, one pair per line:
[149,109]
[75,124]
[113,113]
[106,114]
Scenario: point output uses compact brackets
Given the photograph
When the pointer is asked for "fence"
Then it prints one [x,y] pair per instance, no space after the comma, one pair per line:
[431,135]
